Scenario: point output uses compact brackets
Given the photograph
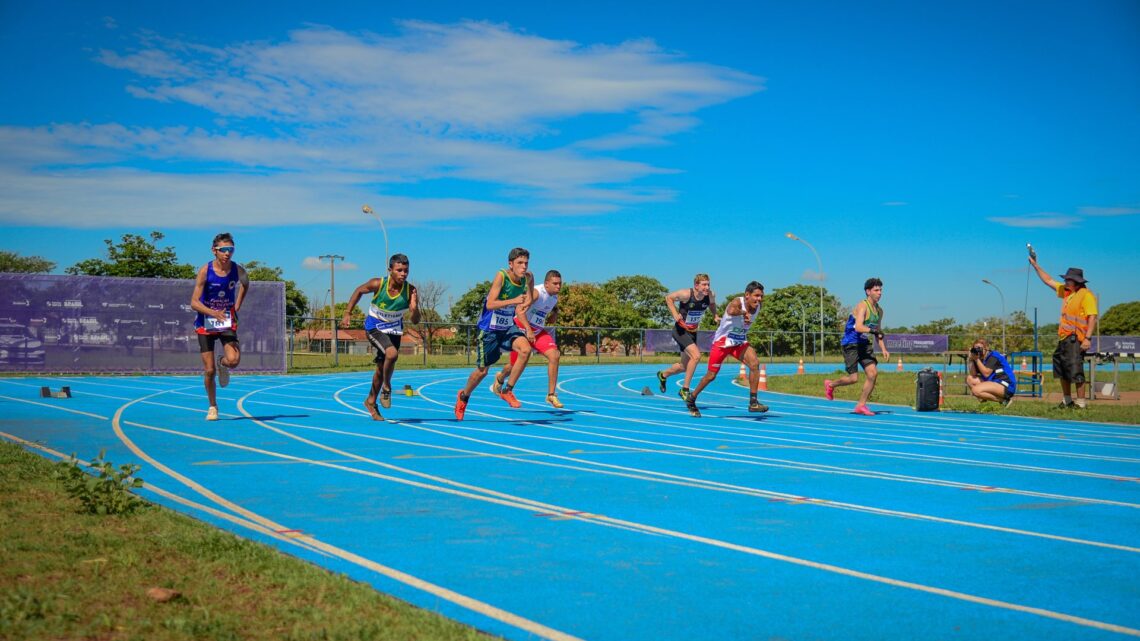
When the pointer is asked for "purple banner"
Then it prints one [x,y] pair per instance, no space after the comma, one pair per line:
[661,340]
[1116,344]
[916,343]
[99,324]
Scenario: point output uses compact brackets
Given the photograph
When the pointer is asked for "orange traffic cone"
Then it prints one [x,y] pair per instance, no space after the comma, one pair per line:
[899,368]
[939,389]
[1024,365]
[743,373]
[800,369]
[763,378]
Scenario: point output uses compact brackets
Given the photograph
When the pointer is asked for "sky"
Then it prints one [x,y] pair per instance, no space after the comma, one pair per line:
[921,143]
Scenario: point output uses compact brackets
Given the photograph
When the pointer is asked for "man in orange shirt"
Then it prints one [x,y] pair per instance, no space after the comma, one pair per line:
[1078,322]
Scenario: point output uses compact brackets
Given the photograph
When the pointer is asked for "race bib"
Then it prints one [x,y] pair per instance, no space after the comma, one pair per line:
[538,318]
[736,337]
[694,317]
[503,318]
[215,325]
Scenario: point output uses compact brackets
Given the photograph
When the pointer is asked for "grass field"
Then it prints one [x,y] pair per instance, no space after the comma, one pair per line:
[68,575]
[898,388]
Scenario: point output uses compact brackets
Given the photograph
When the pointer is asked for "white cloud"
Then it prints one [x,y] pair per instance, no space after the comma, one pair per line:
[811,274]
[1109,211]
[315,262]
[1043,220]
[315,124]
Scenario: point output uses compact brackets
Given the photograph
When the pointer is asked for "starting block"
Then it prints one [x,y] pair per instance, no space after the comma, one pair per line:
[64,392]
[408,391]
[646,391]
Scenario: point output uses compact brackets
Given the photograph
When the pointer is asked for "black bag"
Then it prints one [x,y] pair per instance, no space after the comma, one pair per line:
[926,391]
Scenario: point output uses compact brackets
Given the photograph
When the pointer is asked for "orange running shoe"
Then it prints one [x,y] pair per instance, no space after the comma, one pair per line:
[864,410]
[509,397]
[460,405]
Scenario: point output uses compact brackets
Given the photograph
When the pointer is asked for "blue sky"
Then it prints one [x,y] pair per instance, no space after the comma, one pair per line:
[923,143]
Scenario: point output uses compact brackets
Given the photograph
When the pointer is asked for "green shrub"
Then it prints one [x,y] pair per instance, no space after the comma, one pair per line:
[106,490]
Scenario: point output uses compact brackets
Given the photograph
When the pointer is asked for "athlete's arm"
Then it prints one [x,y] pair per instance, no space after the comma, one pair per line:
[414,303]
[493,301]
[882,337]
[1043,275]
[860,315]
[552,316]
[712,306]
[196,298]
[243,279]
[681,295]
[371,286]
[734,308]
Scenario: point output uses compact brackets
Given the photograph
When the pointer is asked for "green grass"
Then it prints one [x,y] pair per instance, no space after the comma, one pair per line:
[897,388]
[67,575]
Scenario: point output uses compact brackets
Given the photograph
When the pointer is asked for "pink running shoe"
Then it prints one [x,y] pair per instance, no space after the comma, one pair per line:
[864,410]
[829,390]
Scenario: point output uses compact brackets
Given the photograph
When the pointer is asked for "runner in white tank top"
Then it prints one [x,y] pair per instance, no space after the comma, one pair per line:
[731,339]
[533,319]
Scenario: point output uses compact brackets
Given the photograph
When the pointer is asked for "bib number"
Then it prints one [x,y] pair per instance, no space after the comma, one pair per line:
[502,319]
[215,325]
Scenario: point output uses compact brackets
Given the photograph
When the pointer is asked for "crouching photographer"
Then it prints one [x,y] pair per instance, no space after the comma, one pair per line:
[990,376]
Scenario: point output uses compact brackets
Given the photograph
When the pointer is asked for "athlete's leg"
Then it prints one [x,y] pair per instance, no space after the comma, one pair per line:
[231,354]
[520,346]
[208,377]
[552,355]
[691,358]
[872,372]
[391,355]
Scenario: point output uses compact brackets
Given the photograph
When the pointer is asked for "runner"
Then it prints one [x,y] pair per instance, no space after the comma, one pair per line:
[217,298]
[393,297]
[688,307]
[510,288]
[533,319]
[867,317]
[731,338]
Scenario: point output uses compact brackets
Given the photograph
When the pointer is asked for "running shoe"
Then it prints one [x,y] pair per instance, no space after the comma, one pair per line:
[683,393]
[509,397]
[460,405]
[1008,401]
[661,381]
[497,386]
[1066,405]
[212,414]
[553,400]
[1081,404]
[372,411]
[756,406]
[223,373]
[691,404]
[386,398]
[829,390]
[863,410]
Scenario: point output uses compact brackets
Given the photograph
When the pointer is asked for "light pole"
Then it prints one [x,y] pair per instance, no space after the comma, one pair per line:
[332,306]
[1002,313]
[819,263]
[802,309]
[367,209]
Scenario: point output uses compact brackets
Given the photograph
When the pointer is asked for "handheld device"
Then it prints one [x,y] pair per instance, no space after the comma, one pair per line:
[1032,254]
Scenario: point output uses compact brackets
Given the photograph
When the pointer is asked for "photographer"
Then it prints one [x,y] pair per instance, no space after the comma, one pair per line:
[990,376]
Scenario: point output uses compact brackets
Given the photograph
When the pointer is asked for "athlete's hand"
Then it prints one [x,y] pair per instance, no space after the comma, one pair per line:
[886,355]
[346,321]
[219,314]
[691,328]
[530,335]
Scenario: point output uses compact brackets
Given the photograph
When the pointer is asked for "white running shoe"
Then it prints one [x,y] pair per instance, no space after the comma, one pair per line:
[212,414]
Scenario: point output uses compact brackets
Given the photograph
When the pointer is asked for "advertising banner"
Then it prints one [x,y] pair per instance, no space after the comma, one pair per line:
[65,324]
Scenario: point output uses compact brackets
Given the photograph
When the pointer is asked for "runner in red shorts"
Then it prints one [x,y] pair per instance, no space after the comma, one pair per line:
[731,339]
[534,318]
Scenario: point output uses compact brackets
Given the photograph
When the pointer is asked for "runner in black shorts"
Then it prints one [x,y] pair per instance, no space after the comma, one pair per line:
[219,290]
[688,307]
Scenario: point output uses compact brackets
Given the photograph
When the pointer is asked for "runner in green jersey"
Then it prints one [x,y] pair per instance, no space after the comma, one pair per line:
[392,298]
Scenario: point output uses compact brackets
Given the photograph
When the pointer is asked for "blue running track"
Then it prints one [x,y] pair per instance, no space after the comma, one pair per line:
[621,517]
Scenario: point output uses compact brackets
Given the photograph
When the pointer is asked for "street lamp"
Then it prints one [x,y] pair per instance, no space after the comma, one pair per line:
[819,262]
[986,281]
[367,209]
[802,309]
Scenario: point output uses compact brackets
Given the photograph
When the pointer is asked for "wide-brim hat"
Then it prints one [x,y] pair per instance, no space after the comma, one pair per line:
[1075,274]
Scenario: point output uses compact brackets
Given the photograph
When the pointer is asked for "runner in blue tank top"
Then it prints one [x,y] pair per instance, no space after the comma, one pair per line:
[219,290]
[866,318]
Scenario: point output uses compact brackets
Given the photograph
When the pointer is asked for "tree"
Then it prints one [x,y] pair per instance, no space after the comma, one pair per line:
[429,295]
[645,295]
[136,257]
[295,302]
[14,263]
[586,305]
[789,321]
[1121,320]
[469,307]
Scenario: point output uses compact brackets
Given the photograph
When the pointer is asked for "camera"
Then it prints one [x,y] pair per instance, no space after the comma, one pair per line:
[977,351]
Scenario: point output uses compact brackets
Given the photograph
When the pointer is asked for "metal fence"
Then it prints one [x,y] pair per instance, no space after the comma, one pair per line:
[311,344]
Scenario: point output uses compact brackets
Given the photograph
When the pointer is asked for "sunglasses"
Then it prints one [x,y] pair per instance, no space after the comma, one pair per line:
[225,250]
